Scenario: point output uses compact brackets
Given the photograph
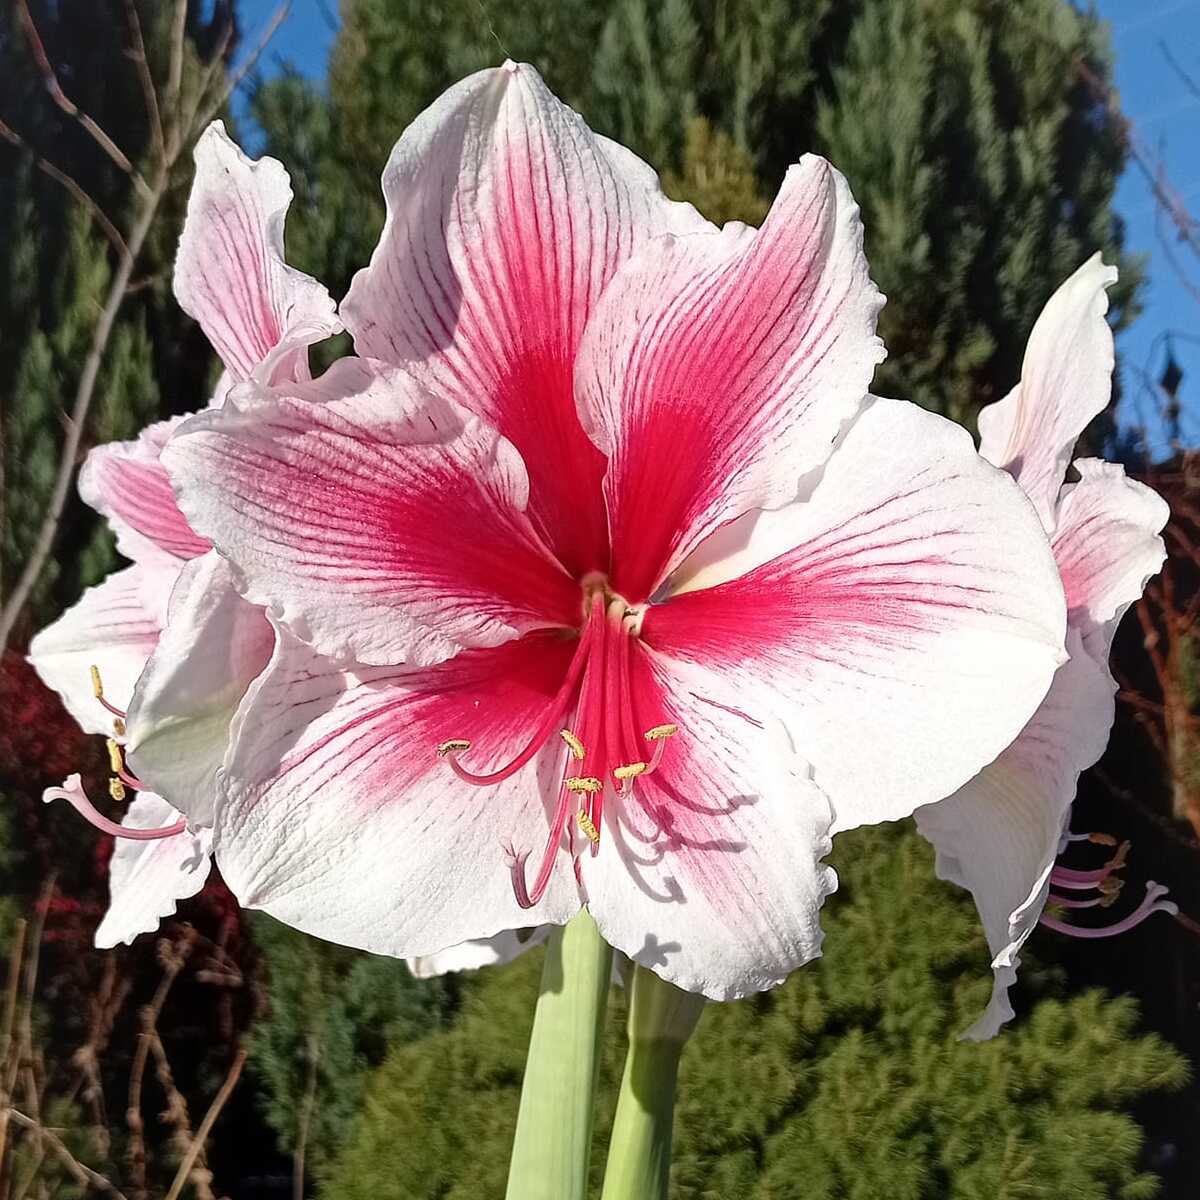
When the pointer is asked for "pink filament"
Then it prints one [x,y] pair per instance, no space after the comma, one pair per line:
[1075,902]
[74,794]
[1152,903]
[591,705]
[119,713]
[1079,881]
[546,727]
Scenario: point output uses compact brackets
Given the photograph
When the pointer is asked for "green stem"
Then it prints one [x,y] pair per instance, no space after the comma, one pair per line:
[661,1019]
[554,1125]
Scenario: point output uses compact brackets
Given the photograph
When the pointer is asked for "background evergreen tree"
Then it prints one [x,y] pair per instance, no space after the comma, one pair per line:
[971,132]
[847,1083]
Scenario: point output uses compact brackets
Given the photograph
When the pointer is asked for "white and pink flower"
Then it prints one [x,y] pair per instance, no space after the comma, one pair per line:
[1000,834]
[137,630]
[599,578]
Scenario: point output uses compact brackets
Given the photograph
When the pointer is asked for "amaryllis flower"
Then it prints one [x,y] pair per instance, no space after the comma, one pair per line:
[999,835]
[603,581]
[121,647]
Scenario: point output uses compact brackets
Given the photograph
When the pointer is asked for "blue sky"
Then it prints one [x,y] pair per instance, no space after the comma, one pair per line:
[1163,111]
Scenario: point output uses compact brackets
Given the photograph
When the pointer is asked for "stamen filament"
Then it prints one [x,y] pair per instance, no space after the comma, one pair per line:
[72,792]
[1152,903]
[553,716]
[98,692]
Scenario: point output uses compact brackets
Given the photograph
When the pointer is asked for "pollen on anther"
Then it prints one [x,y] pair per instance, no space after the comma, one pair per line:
[584,783]
[452,746]
[575,744]
[118,727]
[115,761]
[659,732]
[116,789]
[97,685]
[588,827]
[1102,839]
[629,770]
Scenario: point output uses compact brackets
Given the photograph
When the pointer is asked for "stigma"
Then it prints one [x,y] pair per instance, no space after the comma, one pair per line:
[593,718]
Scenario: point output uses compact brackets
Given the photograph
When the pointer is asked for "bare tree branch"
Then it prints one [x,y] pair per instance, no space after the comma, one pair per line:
[210,1118]
[46,69]
[149,94]
[48,168]
[83,1174]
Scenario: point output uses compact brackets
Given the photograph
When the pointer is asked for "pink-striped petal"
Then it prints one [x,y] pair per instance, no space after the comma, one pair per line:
[719,368]
[1066,379]
[1107,544]
[259,314]
[999,835]
[147,879]
[110,628]
[214,645]
[384,526]
[127,483]
[912,598]
[339,817]
[709,869]
[506,218]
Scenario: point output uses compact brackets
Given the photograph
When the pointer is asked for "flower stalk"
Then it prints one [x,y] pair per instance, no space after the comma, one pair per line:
[552,1145]
[661,1019]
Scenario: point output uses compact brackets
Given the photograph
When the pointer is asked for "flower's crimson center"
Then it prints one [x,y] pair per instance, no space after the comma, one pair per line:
[605,752]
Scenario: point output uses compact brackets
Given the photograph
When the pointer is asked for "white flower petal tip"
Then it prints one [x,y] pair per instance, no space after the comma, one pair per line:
[481,952]
[230,274]
[147,879]
[1066,380]
[114,627]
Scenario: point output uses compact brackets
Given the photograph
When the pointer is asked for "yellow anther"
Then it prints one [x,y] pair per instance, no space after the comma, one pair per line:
[97,686]
[584,783]
[1118,860]
[453,746]
[659,732]
[116,789]
[629,770]
[1111,887]
[115,761]
[118,727]
[1102,839]
[572,741]
[588,827]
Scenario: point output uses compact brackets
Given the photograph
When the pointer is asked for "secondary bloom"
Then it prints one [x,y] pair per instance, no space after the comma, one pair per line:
[602,554]
[117,654]
[999,835]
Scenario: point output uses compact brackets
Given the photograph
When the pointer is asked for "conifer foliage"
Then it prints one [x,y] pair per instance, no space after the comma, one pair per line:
[847,1082]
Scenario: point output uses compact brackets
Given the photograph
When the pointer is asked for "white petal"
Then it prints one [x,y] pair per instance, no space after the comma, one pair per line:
[214,645]
[998,836]
[110,628]
[385,525]
[912,598]
[483,952]
[1066,379]
[719,368]
[127,483]
[259,314]
[339,818]
[506,219]
[147,879]
[709,870]
[1106,541]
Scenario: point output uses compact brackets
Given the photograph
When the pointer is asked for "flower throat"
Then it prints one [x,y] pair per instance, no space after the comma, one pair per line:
[605,752]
